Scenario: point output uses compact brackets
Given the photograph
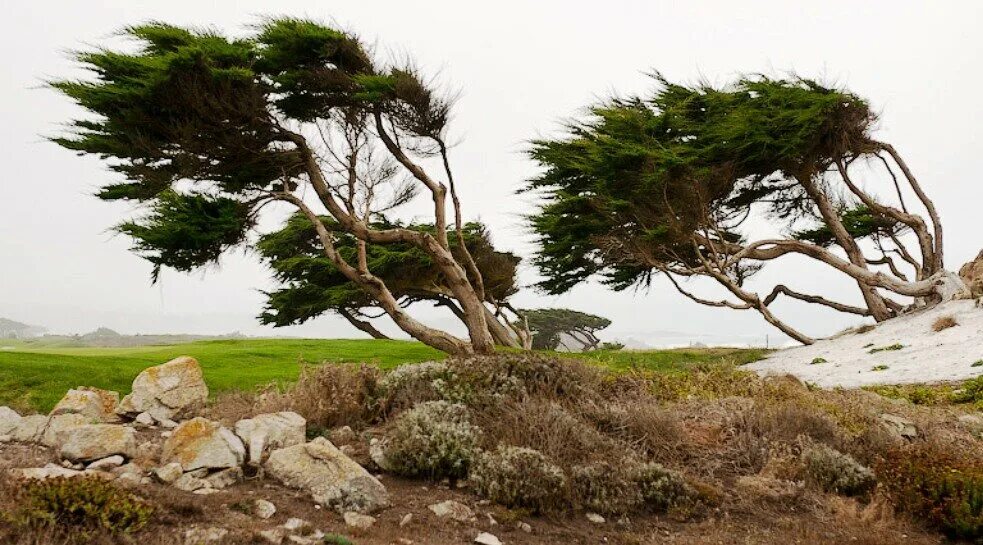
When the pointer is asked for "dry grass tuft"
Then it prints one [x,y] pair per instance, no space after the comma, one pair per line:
[944,322]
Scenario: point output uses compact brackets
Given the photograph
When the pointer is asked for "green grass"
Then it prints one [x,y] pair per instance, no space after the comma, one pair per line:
[36,377]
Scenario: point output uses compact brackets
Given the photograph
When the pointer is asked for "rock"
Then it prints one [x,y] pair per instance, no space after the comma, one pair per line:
[972,274]
[96,441]
[189,483]
[343,435]
[148,452]
[202,443]
[29,428]
[205,491]
[128,468]
[377,452]
[6,438]
[47,472]
[332,478]
[900,426]
[293,524]
[274,535]
[198,536]
[225,478]
[264,509]
[267,432]
[58,424]
[145,420]
[108,463]
[357,520]
[173,390]
[524,526]
[128,480]
[168,473]
[453,510]
[168,424]
[98,405]
[407,518]
[484,538]
[595,518]
[9,420]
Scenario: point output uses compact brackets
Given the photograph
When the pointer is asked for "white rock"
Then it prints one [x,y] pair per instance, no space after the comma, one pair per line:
[525,527]
[175,389]
[377,452]
[145,420]
[29,428]
[168,424]
[6,438]
[453,510]
[168,473]
[225,477]
[293,524]
[205,491]
[61,423]
[198,536]
[484,538]
[595,518]
[407,518]
[108,463]
[41,473]
[97,441]
[332,478]
[274,535]
[190,483]
[267,432]
[9,420]
[357,520]
[98,405]
[202,443]
[343,435]
[900,426]
[264,509]
[129,480]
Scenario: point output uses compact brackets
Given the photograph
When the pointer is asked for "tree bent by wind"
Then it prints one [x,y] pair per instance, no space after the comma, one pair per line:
[209,130]
[665,184]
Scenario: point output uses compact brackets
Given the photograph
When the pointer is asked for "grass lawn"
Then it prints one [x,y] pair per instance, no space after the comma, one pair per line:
[37,376]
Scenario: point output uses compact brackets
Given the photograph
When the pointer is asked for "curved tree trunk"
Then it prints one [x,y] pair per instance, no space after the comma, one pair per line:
[362,325]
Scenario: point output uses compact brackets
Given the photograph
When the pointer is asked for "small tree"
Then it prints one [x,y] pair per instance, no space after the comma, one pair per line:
[207,130]
[313,285]
[664,184]
[549,325]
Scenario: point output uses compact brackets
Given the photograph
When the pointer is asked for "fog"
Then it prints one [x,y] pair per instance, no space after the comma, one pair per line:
[521,68]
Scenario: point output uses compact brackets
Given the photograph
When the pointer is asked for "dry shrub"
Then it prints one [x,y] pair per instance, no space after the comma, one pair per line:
[944,322]
[434,440]
[327,395]
[756,432]
[605,488]
[833,471]
[646,425]
[519,477]
[704,382]
[939,484]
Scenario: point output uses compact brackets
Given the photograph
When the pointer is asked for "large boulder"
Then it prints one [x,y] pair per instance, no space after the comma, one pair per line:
[333,479]
[202,443]
[267,432]
[94,403]
[97,441]
[972,274]
[169,391]
[9,420]
[29,428]
[57,425]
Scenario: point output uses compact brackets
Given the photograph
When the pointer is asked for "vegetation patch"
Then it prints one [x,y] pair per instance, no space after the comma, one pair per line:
[519,477]
[888,348]
[433,440]
[944,322]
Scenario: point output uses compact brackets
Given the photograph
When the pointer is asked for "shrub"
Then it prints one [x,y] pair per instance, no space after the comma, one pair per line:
[971,391]
[661,488]
[888,348]
[944,322]
[407,385]
[78,504]
[817,361]
[938,484]
[433,440]
[605,488]
[519,477]
[834,471]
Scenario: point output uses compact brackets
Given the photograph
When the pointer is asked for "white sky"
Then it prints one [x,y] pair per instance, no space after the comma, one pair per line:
[522,67]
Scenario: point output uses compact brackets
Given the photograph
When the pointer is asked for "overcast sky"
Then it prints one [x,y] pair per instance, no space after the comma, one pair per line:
[521,67]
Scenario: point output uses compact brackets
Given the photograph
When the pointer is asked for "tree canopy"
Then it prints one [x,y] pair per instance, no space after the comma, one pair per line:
[207,130]
[664,184]
[548,326]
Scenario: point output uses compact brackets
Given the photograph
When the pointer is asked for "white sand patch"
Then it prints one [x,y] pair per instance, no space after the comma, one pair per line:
[926,357]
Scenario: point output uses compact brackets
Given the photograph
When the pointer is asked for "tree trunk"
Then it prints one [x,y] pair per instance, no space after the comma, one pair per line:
[472,307]
[362,324]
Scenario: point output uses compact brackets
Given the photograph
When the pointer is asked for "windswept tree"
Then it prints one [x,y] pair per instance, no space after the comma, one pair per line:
[549,326]
[207,130]
[311,284]
[666,183]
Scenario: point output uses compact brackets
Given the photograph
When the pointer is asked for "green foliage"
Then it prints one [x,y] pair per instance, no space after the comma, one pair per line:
[938,484]
[519,477]
[605,488]
[312,285]
[880,367]
[859,222]
[817,361]
[977,363]
[79,504]
[548,324]
[834,471]
[337,539]
[661,488]
[629,186]
[888,348]
[433,440]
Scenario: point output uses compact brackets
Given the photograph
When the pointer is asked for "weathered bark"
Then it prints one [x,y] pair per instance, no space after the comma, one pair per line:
[362,325]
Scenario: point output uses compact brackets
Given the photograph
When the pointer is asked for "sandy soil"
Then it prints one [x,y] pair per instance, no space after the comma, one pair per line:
[926,356]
